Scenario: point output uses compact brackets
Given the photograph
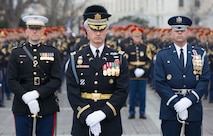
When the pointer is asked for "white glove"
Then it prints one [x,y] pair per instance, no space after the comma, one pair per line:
[95,118]
[96,129]
[139,72]
[183,104]
[183,115]
[34,106]
[29,96]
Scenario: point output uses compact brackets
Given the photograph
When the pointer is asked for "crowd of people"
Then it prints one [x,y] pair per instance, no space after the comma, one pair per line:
[97,99]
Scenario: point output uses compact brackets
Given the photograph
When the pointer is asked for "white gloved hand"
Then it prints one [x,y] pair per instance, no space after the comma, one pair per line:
[139,72]
[95,118]
[183,115]
[34,107]
[183,104]
[96,129]
[29,96]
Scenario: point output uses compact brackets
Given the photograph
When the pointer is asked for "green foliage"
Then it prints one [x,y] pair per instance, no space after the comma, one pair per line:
[3,24]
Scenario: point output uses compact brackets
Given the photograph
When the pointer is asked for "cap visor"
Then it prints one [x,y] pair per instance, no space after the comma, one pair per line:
[34,27]
[179,27]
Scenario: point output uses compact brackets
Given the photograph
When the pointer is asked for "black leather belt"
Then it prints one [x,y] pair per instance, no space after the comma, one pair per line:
[33,81]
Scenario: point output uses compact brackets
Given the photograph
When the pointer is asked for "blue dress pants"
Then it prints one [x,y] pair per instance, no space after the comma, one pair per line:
[173,128]
[45,126]
[137,87]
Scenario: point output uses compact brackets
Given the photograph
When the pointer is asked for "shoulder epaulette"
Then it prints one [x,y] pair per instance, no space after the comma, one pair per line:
[78,40]
[198,48]
[164,49]
[121,52]
[73,53]
[23,44]
[15,47]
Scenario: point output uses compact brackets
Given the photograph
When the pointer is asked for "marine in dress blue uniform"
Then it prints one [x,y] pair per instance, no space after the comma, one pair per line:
[100,88]
[139,57]
[181,87]
[34,82]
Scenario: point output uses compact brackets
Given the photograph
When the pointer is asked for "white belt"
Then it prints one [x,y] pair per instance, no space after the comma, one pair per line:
[182,91]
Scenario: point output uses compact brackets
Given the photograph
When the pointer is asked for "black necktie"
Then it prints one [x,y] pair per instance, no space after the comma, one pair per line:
[181,57]
[97,53]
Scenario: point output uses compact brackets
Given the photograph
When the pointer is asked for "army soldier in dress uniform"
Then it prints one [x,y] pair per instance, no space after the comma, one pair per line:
[181,78]
[34,75]
[139,57]
[97,80]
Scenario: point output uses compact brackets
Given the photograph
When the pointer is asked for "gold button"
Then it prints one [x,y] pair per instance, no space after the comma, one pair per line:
[35,57]
[82,74]
[34,73]
[95,82]
[96,74]
[34,50]
[95,91]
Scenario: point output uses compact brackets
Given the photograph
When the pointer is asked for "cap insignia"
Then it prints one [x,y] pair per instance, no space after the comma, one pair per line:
[97,16]
[179,20]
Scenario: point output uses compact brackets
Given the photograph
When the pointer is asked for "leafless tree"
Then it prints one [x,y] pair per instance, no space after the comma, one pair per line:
[13,10]
[56,10]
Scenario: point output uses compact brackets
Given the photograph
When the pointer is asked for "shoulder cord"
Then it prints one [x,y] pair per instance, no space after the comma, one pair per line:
[73,69]
[35,62]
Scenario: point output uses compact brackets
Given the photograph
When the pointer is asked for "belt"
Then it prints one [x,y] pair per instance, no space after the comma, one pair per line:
[95,96]
[33,81]
[182,91]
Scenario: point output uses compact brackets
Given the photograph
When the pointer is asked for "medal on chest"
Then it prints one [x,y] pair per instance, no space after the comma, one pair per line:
[197,63]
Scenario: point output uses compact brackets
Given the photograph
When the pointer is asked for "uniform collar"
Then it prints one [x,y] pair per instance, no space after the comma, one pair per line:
[93,49]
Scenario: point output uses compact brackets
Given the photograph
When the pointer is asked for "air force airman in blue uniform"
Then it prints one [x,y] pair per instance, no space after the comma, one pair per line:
[97,81]
[181,82]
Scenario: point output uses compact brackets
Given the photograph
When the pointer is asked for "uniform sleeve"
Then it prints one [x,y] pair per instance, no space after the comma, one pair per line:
[79,105]
[13,75]
[166,93]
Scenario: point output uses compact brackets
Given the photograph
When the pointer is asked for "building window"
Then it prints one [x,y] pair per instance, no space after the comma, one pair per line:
[181,3]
